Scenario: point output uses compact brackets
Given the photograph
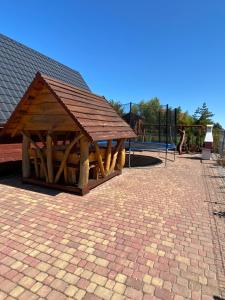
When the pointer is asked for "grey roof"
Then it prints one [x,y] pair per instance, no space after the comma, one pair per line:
[18,66]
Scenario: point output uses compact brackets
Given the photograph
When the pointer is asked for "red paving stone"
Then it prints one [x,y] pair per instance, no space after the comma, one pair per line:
[148,234]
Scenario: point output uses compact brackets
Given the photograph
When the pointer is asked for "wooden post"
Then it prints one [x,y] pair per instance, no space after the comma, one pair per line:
[121,158]
[99,158]
[39,152]
[108,155]
[118,146]
[84,163]
[25,156]
[49,157]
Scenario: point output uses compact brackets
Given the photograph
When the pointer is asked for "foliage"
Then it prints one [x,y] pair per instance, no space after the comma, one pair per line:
[152,113]
[147,110]
[118,106]
[202,115]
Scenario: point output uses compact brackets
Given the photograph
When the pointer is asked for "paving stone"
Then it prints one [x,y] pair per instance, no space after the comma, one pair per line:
[148,234]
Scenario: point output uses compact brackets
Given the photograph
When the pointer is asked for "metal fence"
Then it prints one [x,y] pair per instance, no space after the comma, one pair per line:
[219,142]
[151,124]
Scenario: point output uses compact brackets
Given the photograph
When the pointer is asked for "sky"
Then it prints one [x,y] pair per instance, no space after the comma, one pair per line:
[131,50]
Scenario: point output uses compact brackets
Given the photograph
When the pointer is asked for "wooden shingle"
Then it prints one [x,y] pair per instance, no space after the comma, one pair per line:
[91,113]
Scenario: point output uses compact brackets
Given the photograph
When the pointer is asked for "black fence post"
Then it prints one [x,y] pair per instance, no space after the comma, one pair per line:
[175,125]
[159,124]
[167,115]
[130,123]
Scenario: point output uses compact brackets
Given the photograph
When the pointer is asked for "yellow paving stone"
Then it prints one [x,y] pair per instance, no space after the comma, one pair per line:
[80,295]
[119,288]
[42,248]
[71,278]
[71,290]
[36,287]
[42,266]
[183,259]
[93,238]
[79,271]
[86,274]
[41,276]
[89,250]
[64,241]
[99,234]
[150,263]
[82,248]
[91,258]
[154,245]
[103,293]
[34,253]
[129,233]
[168,244]
[116,296]
[60,274]
[203,280]
[161,253]
[65,256]
[101,262]
[105,242]
[157,281]
[91,287]
[151,250]
[121,278]
[17,265]
[110,284]
[27,282]
[53,226]
[5,227]
[90,244]
[56,253]
[70,251]
[59,263]
[148,289]
[49,251]
[147,278]
[99,240]
[18,290]
[101,280]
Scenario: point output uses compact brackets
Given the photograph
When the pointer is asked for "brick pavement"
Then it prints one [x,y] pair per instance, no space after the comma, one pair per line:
[147,234]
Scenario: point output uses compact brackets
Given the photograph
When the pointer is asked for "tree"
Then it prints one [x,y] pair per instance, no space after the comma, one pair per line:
[217,126]
[118,106]
[202,115]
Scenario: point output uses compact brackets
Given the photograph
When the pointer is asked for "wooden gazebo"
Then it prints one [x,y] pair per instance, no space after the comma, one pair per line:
[72,139]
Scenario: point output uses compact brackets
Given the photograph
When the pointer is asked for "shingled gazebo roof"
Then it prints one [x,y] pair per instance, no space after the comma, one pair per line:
[18,66]
[91,113]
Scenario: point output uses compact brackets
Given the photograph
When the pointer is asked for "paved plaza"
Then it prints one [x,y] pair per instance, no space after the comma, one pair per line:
[151,233]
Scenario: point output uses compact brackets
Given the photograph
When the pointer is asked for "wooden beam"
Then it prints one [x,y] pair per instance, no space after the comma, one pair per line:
[121,158]
[39,152]
[84,163]
[99,158]
[49,158]
[108,156]
[65,157]
[25,157]
[113,164]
